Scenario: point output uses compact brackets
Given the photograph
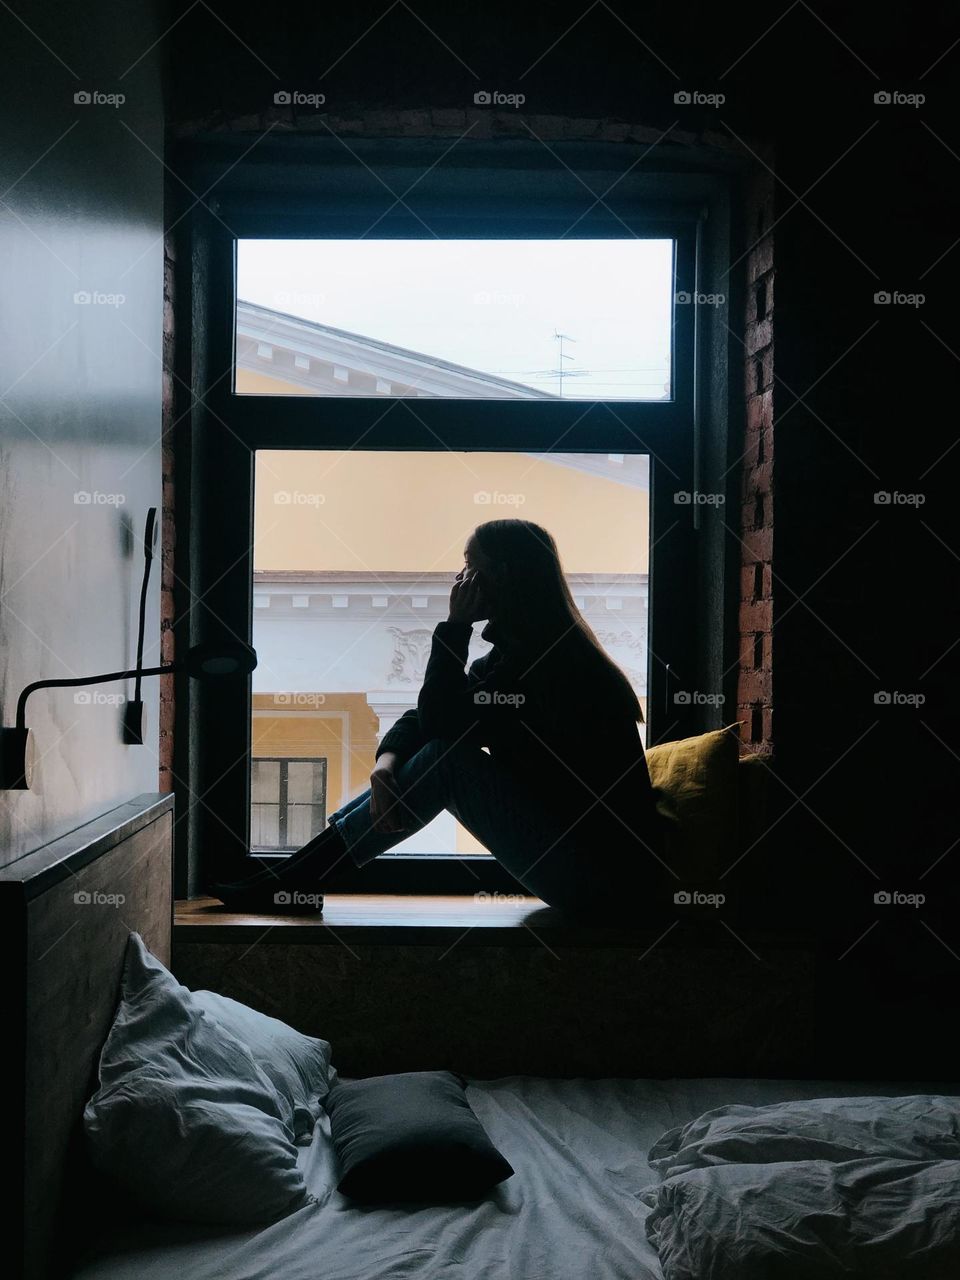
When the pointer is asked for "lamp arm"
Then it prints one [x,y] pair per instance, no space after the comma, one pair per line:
[149,537]
[104,679]
[143,614]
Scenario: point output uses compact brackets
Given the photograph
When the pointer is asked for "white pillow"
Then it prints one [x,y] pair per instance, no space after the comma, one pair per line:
[178,1153]
[184,1119]
[297,1065]
[910,1127]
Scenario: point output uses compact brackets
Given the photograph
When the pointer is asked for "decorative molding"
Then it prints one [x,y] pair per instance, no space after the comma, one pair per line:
[622,646]
[411,649]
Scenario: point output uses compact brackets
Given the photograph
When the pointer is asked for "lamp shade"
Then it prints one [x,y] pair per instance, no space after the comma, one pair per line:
[226,658]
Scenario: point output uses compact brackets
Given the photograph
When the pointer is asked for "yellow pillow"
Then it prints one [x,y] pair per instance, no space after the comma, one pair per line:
[695,781]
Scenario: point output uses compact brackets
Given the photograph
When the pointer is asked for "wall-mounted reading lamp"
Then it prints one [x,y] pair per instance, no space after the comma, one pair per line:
[203,662]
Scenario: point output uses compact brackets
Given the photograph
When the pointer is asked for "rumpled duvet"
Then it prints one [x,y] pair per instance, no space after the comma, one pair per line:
[810,1190]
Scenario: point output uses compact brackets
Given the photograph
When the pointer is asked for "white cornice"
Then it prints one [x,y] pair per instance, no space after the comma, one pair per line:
[281,332]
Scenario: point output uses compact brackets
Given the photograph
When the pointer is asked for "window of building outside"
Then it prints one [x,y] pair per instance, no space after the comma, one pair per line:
[288,805]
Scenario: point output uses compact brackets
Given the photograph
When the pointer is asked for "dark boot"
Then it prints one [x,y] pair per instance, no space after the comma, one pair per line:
[272,889]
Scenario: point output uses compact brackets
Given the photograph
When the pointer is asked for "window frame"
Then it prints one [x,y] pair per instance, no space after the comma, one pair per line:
[226,429]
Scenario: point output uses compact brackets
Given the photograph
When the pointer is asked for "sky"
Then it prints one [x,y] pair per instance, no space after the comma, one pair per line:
[493,305]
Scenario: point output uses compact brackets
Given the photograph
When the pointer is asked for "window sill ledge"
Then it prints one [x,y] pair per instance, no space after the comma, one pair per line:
[370,918]
[439,920]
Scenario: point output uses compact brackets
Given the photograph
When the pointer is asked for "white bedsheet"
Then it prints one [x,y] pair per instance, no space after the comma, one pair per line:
[570,1211]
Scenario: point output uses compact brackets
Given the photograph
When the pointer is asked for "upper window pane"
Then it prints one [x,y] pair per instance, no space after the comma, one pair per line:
[466,319]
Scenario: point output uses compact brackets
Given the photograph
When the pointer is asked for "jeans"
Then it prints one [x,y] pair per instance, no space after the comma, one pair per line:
[554,857]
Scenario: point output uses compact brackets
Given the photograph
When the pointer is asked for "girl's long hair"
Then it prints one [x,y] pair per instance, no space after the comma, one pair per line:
[540,611]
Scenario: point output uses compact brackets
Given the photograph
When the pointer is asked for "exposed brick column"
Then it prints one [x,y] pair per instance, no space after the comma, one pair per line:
[755,677]
[167,527]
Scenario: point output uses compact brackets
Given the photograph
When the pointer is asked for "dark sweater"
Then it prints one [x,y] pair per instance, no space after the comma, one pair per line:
[554,721]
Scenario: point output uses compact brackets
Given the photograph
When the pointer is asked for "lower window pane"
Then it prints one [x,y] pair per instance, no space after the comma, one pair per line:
[265,826]
[304,821]
[355,555]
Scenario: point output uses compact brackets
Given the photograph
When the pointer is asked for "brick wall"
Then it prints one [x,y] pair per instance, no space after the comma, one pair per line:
[167,528]
[755,677]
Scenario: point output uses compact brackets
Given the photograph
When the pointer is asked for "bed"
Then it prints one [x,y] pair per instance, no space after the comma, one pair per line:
[571,1210]
[579,1203]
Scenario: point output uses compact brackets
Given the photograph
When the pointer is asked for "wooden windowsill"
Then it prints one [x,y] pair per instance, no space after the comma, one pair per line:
[367,917]
[436,920]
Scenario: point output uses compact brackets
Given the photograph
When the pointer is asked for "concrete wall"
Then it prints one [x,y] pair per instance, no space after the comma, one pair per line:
[81,257]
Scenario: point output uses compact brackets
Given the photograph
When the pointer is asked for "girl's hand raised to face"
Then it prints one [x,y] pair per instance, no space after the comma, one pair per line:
[466,598]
